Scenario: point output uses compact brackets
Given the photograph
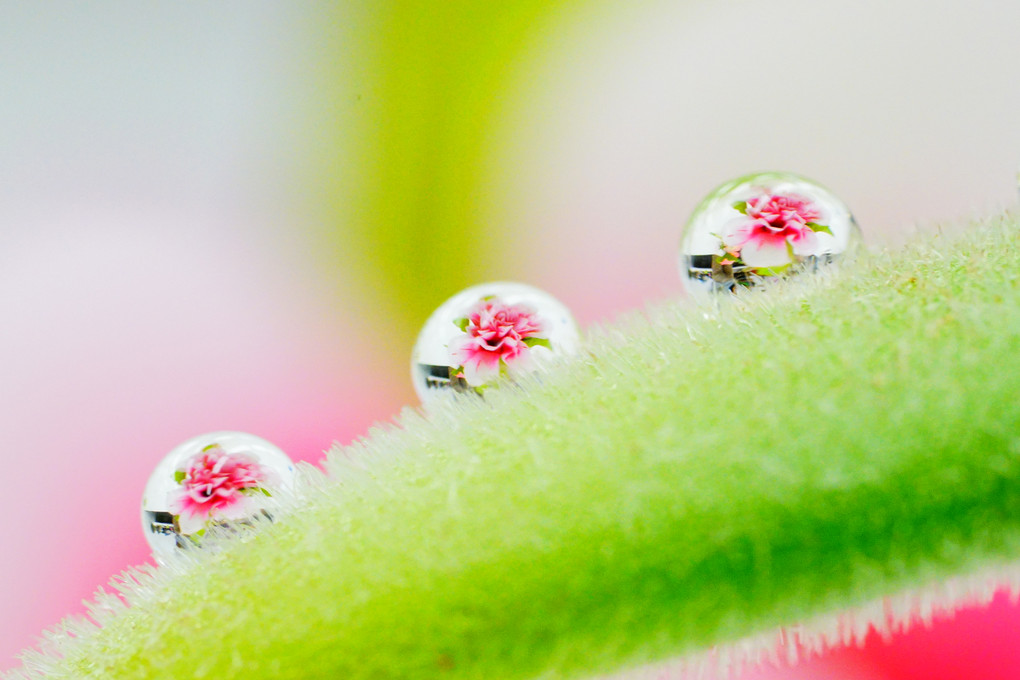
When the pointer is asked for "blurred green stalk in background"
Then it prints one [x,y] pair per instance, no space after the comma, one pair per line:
[416,86]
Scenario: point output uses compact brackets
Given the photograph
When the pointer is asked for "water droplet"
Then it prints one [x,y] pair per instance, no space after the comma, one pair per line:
[487,334]
[223,480]
[761,227]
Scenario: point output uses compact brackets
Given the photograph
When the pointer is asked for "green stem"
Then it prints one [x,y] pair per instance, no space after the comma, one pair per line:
[631,506]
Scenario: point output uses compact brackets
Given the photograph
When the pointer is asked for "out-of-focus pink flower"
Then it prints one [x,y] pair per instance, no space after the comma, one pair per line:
[213,484]
[774,225]
[496,334]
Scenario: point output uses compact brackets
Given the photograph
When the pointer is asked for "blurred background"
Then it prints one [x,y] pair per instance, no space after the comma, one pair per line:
[236,216]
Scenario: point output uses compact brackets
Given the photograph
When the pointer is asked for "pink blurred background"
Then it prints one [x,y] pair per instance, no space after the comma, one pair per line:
[160,277]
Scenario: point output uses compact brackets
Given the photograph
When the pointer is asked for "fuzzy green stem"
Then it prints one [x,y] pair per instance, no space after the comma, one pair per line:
[700,475]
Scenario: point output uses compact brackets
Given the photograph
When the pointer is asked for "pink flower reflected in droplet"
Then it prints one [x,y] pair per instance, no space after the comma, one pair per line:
[497,335]
[213,485]
[774,226]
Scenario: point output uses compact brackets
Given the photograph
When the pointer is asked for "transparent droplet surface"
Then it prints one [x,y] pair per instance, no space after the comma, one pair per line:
[220,479]
[762,227]
[488,334]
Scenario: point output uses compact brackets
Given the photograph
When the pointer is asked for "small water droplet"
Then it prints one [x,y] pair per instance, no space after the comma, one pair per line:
[488,334]
[220,481]
[762,227]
